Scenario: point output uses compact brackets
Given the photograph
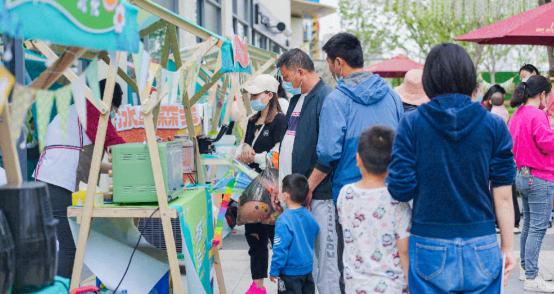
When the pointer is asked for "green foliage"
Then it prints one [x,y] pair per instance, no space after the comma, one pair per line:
[376,27]
[415,26]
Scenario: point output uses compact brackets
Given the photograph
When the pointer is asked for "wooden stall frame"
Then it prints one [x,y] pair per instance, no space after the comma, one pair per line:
[60,67]
[148,110]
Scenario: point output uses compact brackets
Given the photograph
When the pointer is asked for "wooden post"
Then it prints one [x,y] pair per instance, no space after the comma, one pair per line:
[220,98]
[11,160]
[219,272]
[98,151]
[214,79]
[201,177]
[162,202]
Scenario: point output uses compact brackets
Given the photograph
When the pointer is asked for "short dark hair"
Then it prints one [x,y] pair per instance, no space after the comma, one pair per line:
[296,58]
[375,148]
[117,93]
[530,69]
[280,90]
[494,89]
[297,187]
[534,86]
[449,69]
[347,47]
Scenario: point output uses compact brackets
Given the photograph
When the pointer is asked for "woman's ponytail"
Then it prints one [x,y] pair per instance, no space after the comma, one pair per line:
[533,87]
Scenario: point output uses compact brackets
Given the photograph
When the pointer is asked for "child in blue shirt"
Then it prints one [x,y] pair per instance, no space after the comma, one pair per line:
[295,234]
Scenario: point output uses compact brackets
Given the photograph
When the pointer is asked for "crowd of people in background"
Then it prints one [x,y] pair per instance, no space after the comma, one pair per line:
[382,190]
[394,190]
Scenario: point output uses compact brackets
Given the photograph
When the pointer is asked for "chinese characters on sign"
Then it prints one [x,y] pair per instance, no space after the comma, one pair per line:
[171,117]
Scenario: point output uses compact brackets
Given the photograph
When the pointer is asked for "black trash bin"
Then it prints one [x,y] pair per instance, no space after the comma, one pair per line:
[7,256]
[28,211]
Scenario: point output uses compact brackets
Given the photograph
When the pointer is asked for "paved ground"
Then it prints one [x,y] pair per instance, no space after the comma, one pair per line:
[236,264]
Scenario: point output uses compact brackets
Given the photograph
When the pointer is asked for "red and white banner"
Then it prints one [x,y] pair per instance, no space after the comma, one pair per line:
[171,117]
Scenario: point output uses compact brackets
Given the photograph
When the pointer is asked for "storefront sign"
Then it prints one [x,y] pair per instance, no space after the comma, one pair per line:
[171,117]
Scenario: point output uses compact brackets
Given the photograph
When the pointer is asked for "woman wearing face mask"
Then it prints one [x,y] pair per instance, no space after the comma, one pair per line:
[533,147]
[264,132]
[527,71]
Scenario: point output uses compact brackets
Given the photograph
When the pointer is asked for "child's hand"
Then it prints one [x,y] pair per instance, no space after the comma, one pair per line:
[274,279]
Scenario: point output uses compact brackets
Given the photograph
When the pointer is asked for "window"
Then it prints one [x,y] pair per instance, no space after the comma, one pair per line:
[242,18]
[172,5]
[208,13]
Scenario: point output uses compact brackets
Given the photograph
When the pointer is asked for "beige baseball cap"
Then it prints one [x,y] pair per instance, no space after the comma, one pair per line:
[261,83]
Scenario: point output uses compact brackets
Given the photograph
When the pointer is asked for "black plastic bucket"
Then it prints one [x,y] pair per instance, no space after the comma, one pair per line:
[7,256]
[29,214]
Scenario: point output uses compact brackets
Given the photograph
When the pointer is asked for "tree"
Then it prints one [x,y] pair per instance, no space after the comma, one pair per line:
[415,26]
[432,22]
[376,28]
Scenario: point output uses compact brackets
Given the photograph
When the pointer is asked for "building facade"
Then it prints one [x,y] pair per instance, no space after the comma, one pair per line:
[267,24]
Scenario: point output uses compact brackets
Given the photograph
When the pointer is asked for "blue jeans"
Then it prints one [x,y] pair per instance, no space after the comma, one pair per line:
[465,265]
[536,195]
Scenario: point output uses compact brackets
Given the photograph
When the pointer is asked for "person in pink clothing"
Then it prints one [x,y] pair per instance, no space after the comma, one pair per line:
[533,147]
[550,109]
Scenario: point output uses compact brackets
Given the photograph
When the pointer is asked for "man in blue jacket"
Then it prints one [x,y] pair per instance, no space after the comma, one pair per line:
[360,100]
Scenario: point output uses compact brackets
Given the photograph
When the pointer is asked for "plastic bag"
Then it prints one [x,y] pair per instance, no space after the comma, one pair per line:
[256,204]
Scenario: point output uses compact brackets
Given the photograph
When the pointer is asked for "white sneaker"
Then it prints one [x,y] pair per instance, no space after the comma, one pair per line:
[538,285]
[545,275]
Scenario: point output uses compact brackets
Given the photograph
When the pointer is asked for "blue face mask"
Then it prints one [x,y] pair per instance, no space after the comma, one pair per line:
[338,78]
[290,88]
[257,105]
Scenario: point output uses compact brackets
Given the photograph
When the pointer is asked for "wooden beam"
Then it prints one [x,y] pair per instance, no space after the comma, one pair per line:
[165,49]
[98,151]
[262,69]
[69,74]
[201,177]
[54,72]
[10,157]
[220,98]
[170,17]
[159,24]
[215,78]
[162,202]
[58,49]
[174,46]
[119,212]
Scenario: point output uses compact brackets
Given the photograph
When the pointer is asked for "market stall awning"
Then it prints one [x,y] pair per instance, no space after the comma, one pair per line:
[301,8]
[532,27]
[110,25]
[395,67]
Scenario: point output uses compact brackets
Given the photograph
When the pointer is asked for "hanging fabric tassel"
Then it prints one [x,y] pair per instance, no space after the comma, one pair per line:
[78,90]
[92,78]
[45,101]
[23,98]
[63,102]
